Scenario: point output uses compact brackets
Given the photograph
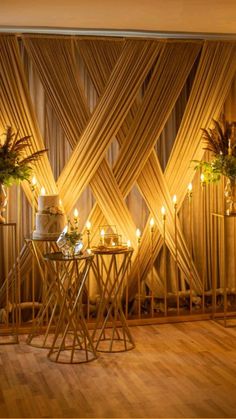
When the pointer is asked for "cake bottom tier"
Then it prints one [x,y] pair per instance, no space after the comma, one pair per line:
[49,226]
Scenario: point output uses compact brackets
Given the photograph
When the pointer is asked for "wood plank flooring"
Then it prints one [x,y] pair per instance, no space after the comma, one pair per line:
[176,370]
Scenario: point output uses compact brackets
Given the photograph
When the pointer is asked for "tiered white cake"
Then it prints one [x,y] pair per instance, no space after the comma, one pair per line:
[50,218]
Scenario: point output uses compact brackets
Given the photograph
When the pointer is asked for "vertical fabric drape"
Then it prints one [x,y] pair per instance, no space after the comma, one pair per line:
[17,110]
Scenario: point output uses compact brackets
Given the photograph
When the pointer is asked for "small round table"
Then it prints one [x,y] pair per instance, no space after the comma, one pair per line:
[111,267]
[71,342]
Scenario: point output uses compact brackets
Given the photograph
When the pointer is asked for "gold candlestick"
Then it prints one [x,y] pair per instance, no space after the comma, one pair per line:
[33,189]
[152,223]
[163,211]
[138,235]
[203,183]
[176,253]
[190,195]
[88,227]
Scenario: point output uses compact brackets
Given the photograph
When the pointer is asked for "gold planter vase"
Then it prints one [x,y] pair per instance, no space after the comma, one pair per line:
[3,202]
[230,196]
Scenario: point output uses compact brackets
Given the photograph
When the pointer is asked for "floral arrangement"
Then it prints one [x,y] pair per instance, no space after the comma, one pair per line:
[221,141]
[15,165]
[70,240]
[72,234]
[53,211]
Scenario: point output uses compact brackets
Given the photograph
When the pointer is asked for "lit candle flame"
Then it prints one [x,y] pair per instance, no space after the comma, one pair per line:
[60,202]
[128,243]
[43,191]
[138,233]
[34,181]
[190,187]
[174,199]
[102,233]
[88,225]
[202,178]
[163,210]
[152,222]
[76,213]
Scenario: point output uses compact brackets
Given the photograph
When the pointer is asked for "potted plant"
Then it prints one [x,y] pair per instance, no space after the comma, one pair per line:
[15,163]
[220,141]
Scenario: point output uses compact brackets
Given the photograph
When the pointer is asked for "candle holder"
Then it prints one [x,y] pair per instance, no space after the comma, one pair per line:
[152,224]
[138,235]
[33,190]
[88,228]
[176,254]
[163,212]
[203,184]
[190,196]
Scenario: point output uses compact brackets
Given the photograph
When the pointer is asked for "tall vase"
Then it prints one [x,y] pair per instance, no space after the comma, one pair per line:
[3,202]
[230,196]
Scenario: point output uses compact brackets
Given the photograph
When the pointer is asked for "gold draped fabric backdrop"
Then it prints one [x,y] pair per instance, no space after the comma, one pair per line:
[122,121]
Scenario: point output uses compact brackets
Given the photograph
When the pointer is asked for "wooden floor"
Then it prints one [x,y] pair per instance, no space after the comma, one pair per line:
[176,370]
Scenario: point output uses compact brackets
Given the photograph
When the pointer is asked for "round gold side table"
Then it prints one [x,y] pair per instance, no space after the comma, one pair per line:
[111,267]
[71,342]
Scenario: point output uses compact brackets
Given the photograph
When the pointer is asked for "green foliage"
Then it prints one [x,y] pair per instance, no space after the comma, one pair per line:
[216,141]
[15,164]
[72,235]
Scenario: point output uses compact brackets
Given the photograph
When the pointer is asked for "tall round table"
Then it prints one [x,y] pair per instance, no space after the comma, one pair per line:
[71,342]
[111,268]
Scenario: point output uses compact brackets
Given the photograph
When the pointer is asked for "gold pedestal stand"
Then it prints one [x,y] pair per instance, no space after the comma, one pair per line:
[71,342]
[45,321]
[219,224]
[111,333]
[9,283]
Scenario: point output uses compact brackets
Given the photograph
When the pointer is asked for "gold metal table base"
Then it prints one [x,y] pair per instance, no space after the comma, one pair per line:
[219,223]
[42,326]
[9,285]
[111,270]
[71,342]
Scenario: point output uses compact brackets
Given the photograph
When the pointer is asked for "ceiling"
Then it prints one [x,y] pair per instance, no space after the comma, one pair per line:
[203,16]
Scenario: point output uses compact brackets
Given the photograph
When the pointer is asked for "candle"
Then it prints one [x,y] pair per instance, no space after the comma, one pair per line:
[203,182]
[128,243]
[88,225]
[76,213]
[102,236]
[42,191]
[33,182]
[190,187]
[174,199]
[138,233]
[163,211]
[152,222]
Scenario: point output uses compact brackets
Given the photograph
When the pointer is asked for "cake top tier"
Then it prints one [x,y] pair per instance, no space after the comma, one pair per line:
[47,201]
